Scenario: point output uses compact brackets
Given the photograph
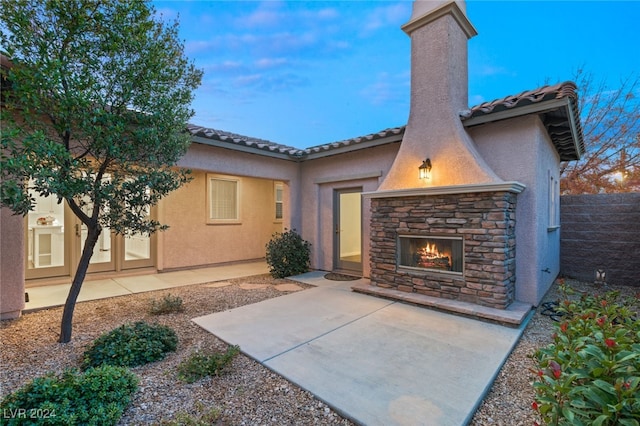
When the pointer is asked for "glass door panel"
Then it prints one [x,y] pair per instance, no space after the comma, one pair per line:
[102,252]
[46,240]
[103,258]
[139,249]
[348,230]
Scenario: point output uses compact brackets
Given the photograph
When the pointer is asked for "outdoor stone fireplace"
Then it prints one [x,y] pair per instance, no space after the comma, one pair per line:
[458,246]
[443,219]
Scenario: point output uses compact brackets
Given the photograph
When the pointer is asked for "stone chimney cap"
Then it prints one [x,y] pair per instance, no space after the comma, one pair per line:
[425,12]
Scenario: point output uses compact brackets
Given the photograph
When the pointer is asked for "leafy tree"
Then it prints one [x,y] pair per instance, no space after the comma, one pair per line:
[611,127]
[99,100]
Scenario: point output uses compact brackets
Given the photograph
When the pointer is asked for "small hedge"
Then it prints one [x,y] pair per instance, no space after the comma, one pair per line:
[131,345]
[288,254]
[98,396]
[167,305]
[590,374]
[200,365]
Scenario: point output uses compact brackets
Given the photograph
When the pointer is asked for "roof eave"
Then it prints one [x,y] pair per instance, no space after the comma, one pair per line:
[565,103]
[537,108]
[576,131]
[243,148]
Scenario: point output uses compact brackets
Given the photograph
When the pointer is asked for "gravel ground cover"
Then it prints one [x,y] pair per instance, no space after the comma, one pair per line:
[248,393]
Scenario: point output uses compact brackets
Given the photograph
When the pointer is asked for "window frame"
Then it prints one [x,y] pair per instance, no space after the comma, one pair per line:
[553,203]
[278,186]
[209,199]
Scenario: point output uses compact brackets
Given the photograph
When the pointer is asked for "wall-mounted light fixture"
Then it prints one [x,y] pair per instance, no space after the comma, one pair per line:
[425,169]
[601,277]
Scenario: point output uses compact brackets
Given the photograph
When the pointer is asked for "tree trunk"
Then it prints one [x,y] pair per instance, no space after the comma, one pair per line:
[66,326]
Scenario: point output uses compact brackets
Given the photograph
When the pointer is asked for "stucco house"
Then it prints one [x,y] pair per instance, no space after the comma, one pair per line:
[461,204]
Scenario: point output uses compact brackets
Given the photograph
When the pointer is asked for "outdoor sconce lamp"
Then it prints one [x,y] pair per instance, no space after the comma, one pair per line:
[425,169]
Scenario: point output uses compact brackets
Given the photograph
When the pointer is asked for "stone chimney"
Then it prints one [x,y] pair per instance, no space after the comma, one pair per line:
[439,32]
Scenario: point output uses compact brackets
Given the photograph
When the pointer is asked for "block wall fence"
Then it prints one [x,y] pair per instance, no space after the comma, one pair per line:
[601,231]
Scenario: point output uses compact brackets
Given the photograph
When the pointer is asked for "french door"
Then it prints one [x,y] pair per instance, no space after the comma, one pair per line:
[55,239]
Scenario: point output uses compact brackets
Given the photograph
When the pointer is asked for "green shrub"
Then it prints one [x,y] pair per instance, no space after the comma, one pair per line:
[167,305]
[288,254]
[204,417]
[200,365]
[590,375]
[131,345]
[97,397]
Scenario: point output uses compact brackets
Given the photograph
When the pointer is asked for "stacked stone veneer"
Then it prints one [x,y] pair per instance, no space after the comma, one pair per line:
[486,223]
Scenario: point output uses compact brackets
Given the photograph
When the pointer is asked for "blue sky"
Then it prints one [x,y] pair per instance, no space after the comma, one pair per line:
[304,73]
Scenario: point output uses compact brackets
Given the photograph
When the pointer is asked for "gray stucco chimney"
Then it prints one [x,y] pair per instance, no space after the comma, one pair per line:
[439,32]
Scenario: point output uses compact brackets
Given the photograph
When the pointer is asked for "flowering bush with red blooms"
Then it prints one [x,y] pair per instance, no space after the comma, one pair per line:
[590,375]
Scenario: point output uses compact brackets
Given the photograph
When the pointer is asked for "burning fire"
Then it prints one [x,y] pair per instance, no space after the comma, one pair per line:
[430,251]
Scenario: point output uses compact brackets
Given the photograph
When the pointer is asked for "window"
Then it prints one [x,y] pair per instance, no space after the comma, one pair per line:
[223,198]
[278,189]
[553,203]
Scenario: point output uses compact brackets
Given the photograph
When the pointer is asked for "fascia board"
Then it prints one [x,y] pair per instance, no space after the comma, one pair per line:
[241,148]
[536,108]
[353,147]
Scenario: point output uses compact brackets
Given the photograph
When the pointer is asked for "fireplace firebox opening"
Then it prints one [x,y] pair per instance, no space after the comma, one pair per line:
[431,253]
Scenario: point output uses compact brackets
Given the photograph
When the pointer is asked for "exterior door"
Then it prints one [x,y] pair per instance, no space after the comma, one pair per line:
[103,259]
[138,250]
[55,237]
[47,238]
[348,230]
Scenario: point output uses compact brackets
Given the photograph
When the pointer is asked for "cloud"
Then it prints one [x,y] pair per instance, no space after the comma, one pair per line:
[476,100]
[270,82]
[387,89]
[262,18]
[271,14]
[487,70]
[271,62]
[325,14]
[392,15]
[225,66]
[196,46]
[166,14]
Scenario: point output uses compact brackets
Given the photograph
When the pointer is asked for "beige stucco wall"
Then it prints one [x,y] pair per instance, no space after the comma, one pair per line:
[11,264]
[308,204]
[191,241]
[320,178]
[227,161]
[520,150]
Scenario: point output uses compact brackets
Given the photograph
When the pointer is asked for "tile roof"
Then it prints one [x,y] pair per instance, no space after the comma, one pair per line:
[240,140]
[561,90]
[390,132]
[271,147]
[560,119]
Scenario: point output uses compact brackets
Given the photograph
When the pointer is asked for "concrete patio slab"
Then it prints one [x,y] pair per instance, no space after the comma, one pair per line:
[142,283]
[228,272]
[100,289]
[288,287]
[269,328]
[376,361]
[47,296]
